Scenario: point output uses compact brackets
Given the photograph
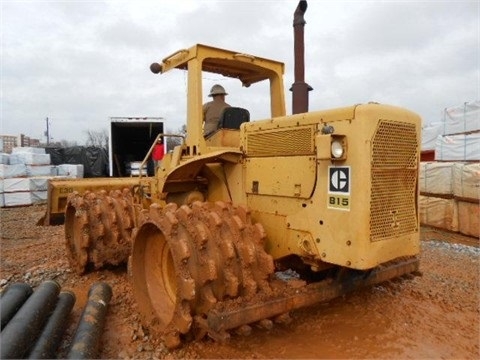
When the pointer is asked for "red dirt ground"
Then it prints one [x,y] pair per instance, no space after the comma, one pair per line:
[436,315]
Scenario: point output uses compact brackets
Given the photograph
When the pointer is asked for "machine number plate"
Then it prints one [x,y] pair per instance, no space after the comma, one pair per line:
[339,187]
[65,190]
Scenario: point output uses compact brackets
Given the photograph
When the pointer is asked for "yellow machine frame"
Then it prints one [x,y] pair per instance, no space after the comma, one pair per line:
[283,165]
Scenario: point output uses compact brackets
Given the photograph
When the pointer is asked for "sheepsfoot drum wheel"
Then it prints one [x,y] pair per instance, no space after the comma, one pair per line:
[98,229]
[186,260]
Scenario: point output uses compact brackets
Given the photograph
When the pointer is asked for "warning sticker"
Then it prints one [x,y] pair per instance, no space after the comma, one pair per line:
[339,187]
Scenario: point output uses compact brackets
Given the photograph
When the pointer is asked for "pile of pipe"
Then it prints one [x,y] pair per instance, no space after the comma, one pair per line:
[33,322]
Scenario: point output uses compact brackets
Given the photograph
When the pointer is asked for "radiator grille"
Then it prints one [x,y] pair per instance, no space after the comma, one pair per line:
[395,144]
[394,173]
[281,142]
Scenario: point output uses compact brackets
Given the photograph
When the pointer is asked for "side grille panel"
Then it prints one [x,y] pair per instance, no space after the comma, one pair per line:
[289,142]
[393,210]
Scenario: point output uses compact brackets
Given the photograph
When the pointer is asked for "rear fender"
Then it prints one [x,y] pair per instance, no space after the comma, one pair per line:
[188,171]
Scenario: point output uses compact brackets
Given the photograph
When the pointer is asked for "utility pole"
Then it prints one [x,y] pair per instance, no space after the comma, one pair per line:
[47,133]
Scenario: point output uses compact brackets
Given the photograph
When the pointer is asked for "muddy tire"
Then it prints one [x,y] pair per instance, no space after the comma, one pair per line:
[185,260]
[98,228]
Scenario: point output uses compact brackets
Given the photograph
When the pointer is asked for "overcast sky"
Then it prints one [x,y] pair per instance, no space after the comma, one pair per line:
[80,62]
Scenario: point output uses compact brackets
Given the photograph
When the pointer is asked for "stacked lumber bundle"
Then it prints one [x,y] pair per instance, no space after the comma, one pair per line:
[450,196]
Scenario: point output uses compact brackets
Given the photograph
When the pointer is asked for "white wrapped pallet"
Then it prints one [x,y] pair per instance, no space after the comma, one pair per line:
[461,118]
[4,158]
[436,177]
[469,218]
[430,134]
[39,183]
[22,198]
[466,181]
[39,197]
[70,170]
[2,200]
[25,184]
[439,212]
[17,198]
[1,185]
[16,184]
[41,170]
[28,149]
[11,171]
[463,147]
[30,159]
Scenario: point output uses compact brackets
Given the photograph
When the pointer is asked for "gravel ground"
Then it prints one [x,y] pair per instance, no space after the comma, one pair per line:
[435,315]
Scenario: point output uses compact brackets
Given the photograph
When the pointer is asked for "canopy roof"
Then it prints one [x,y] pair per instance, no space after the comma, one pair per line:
[247,68]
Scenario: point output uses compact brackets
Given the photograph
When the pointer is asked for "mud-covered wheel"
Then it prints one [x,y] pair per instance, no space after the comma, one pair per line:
[155,275]
[76,243]
[98,229]
[187,260]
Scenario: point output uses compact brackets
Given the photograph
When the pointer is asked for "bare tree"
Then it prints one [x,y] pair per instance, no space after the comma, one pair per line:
[97,138]
[175,141]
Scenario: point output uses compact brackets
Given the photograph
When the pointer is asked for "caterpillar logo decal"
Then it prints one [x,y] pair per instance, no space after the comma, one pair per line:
[339,187]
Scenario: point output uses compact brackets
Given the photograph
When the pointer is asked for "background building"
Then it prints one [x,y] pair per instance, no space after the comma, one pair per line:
[8,142]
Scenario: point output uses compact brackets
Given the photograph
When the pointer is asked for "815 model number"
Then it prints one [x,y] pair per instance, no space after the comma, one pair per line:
[341,202]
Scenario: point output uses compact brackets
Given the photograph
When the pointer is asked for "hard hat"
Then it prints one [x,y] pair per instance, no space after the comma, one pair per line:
[217,90]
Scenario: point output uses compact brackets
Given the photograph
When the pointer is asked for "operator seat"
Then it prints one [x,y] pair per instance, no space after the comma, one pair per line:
[233,117]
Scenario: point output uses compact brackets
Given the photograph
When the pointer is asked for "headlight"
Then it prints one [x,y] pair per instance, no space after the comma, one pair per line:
[337,149]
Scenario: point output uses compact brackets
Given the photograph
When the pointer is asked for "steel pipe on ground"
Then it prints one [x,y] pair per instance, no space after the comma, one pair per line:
[22,330]
[51,336]
[87,336]
[12,300]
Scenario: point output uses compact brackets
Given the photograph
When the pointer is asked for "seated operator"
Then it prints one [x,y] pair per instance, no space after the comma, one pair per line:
[213,109]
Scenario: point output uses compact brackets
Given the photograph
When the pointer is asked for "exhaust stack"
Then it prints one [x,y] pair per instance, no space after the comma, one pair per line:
[299,88]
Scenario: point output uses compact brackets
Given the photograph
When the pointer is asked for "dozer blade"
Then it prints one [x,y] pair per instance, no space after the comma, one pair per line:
[218,321]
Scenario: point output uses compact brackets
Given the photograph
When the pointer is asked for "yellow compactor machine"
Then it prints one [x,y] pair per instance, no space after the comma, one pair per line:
[330,195]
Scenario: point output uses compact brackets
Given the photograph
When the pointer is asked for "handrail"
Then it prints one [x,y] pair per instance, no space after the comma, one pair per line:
[151,149]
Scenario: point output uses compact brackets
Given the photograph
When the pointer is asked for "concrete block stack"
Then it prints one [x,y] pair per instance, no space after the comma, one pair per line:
[24,176]
[450,196]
